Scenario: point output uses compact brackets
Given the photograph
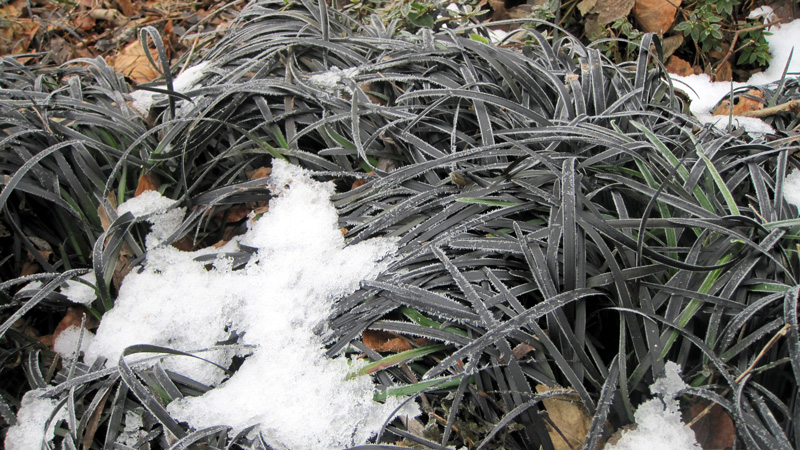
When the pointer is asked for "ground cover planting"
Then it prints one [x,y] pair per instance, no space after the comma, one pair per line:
[440,241]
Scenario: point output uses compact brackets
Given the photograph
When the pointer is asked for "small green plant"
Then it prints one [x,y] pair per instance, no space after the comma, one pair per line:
[704,26]
[755,51]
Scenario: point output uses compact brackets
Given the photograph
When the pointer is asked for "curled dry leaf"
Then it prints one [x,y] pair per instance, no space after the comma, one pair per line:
[741,104]
[570,419]
[133,63]
[384,341]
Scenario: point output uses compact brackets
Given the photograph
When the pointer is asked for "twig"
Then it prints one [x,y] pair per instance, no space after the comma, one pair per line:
[792,106]
[736,38]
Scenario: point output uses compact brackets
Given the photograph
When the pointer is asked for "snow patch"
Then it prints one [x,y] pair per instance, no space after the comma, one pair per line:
[791,188]
[79,292]
[29,433]
[67,342]
[658,421]
[277,306]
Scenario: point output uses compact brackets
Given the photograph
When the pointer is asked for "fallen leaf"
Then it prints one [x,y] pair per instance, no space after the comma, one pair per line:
[680,67]
[384,341]
[261,172]
[656,16]
[610,10]
[147,182]
[133,63]
[359,182]
[741,103]
[126,6]
[586,6]
[521,350]
[670,44]
[570,419]
[714,429]
[724,72]
[236,213]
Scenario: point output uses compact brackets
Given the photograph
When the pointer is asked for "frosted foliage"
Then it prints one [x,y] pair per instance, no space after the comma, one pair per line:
[658,421]
[301,398]
[67,341]
[791,188]
[78,292]
[29,432]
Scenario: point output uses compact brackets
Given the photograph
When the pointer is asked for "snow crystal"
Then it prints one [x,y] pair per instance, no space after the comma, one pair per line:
[29,433]
[705,94]
[791,188]
[78,292]
[300,398]
[658,421]
[67,341]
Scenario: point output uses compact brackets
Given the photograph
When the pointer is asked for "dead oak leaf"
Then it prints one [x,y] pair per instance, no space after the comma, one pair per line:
[133,63]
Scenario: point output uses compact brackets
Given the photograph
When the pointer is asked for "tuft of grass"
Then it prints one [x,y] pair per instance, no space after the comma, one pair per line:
[561,222]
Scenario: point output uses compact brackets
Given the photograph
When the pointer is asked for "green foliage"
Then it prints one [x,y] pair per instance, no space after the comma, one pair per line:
[703,26]
[755,51]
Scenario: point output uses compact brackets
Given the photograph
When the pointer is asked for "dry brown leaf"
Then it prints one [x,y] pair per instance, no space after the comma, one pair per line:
[656,16]
[261,172]
[73,318]
[359,182]
[741,104]
[521,350]
[610,10]
[714,429]
[384,341]
[570,418]
[133,63]
[237,213]
[147,182]
[679,66]
[126,6]
[724,72]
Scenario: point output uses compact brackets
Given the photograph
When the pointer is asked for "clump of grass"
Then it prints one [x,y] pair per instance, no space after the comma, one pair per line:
[561,222]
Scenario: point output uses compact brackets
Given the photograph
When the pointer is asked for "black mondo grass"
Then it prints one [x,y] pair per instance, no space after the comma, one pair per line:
[560,222]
